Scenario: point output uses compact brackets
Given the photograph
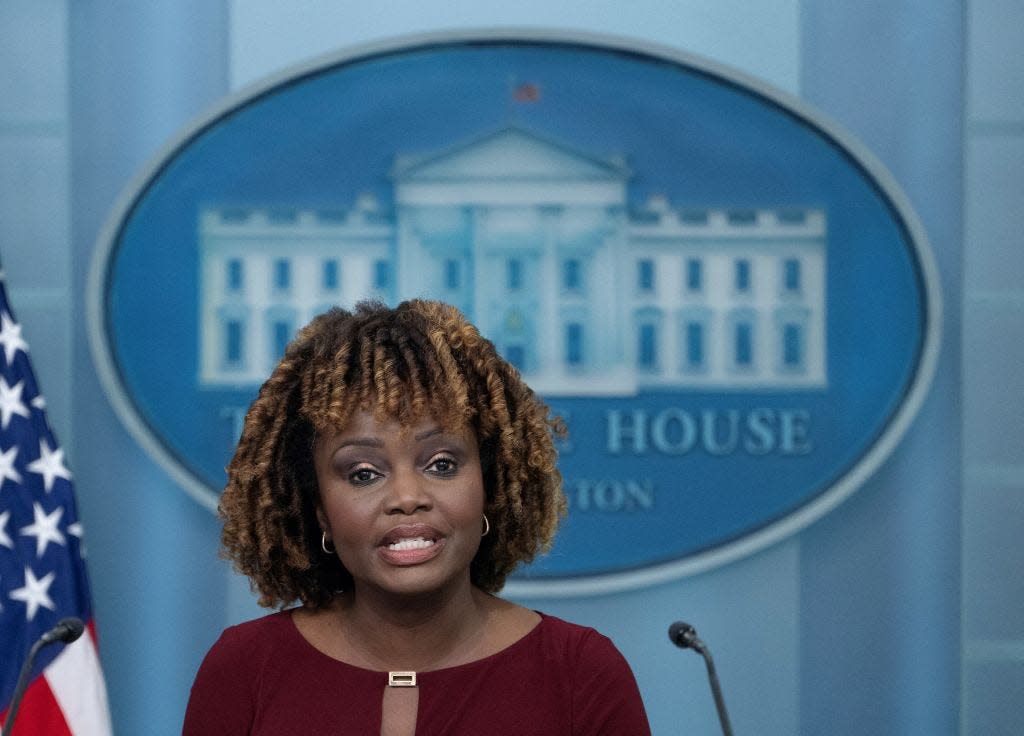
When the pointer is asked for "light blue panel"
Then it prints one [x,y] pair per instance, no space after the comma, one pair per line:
[880,575]
[758,38]
[993,561]
[33,62]
[746,613]
[995,64]
[993,694]
[995,211]
[34,211]
[993,419]
[140,71]
[151,551]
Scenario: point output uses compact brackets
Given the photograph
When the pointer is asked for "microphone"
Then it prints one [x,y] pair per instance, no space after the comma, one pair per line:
[685,636]
[66,630]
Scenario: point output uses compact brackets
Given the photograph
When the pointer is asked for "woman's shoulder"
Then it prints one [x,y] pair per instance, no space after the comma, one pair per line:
[575,643]
[260,626]
[257,634]
[558,629]
[526,624]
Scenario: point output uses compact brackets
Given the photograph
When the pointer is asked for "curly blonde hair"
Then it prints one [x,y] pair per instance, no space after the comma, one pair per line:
[420,359]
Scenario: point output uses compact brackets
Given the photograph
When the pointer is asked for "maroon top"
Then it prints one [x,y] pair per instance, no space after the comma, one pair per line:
[263,677]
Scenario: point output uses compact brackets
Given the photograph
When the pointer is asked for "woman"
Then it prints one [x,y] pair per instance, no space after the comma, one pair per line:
[391,474]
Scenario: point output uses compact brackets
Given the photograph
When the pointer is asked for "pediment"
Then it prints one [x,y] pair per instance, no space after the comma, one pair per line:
[510,153]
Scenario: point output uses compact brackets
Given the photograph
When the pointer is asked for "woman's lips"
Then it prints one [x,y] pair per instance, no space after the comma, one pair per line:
[411,544]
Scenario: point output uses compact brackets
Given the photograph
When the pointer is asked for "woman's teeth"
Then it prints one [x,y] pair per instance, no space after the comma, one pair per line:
[411,544]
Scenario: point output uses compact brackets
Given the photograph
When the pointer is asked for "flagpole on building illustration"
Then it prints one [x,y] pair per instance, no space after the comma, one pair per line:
[517,94]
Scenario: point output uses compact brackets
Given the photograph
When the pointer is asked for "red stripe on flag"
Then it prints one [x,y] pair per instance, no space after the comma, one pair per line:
[39,713]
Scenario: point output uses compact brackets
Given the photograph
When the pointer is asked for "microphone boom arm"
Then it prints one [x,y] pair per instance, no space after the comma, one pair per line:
[66,630]
[685,636]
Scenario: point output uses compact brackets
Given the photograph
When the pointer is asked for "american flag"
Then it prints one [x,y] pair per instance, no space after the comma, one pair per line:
[42,572]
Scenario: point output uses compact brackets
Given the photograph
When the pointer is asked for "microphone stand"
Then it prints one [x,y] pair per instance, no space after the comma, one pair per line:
[685,636]
[67,630]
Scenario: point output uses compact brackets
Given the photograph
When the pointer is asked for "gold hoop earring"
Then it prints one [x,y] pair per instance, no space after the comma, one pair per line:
[487,526]
[323,544]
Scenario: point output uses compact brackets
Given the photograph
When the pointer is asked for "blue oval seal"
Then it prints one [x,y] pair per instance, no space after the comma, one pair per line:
[727,297]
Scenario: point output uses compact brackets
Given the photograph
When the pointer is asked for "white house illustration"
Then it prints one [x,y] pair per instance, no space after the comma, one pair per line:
[541,247]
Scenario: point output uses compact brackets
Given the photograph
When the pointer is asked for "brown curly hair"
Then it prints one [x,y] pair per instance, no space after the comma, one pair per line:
[422,358]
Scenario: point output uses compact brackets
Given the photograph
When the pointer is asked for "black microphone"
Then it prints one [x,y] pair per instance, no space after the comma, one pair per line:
[66,630]
[685,636]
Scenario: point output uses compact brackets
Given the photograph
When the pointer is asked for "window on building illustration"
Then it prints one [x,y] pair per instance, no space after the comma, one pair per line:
[744,344]
[647,346]
[694,340]
[282,216]
[282,274]
[281,332]
[742,217]
[791,275]
[329,275]
[235,274]
[742,275]
[792,345]
[574,344]
[645,274]
[381,274]
[234,345]
[694,274]
[514,274]
[516,355]
[572,274]
[451,274]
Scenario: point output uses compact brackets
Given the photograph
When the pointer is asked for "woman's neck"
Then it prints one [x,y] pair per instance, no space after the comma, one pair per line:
[389,632]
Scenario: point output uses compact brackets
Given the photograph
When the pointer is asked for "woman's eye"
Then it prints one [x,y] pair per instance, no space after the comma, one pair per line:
[443,466]
[362,476]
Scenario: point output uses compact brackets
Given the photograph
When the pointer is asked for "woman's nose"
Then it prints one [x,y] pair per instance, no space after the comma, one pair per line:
[407,493]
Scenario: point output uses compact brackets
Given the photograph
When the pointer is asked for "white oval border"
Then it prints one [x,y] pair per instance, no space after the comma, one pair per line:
[824,502]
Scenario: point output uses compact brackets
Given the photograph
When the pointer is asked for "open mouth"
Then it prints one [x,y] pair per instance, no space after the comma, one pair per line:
[411,544]
[407,544]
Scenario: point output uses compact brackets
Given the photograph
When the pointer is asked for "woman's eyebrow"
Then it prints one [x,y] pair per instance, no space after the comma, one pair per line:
[428,433]
[361,442]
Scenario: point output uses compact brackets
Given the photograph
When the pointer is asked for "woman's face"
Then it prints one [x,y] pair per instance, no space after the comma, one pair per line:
[404,510]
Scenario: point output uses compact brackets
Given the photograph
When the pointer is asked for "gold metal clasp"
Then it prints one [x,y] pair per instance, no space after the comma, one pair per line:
[401,679]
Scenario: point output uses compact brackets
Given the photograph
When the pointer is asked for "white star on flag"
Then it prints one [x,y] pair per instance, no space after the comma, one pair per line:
[75,530]
[50,465]
[4,539]
[10,337]
[11,403]
[35,593]
[7,469]
[44,528]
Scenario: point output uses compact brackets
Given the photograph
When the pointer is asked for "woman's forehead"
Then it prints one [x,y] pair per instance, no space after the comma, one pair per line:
[366,428]
[376,419]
